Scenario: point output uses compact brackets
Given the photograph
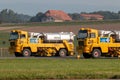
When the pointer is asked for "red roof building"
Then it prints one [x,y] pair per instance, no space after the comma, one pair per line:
[91,16]
[56,16]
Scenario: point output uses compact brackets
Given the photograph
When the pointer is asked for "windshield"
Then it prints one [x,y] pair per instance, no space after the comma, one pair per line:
[82,34]
[14,36]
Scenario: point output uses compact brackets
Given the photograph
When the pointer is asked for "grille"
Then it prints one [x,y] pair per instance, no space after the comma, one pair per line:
[81,43]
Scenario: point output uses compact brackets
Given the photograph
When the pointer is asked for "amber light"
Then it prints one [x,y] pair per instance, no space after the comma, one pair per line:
[82,29]
[89,30]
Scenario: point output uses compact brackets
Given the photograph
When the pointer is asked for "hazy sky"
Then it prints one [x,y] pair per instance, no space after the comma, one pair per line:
[32,7]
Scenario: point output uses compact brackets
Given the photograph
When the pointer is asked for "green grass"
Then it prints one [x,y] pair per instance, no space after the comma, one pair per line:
[72,23]
[59,68]
[4,39]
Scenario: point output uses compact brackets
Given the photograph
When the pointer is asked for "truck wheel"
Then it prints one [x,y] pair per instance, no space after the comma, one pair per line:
[96,53]
[18,54]
[62,52]
[26,53]
[86,55]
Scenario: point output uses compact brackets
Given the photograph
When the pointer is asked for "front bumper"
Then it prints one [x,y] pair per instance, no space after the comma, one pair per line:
[12,50]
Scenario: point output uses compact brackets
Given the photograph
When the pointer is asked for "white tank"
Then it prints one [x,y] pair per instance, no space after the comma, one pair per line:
[57,37]
[33,34]
[104,33]
[117,35]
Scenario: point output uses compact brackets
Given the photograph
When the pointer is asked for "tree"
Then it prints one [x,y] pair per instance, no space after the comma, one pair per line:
[118,12]
[107,14]
[75,16]
[9,16]
[37,18]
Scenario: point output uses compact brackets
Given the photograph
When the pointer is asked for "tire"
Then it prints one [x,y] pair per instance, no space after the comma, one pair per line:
[96,53]
[86,55]
[18,54]
[26,53]
[62,52]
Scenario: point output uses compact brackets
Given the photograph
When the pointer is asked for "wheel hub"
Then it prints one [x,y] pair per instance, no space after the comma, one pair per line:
[96,54]
[26,53]
[62,53]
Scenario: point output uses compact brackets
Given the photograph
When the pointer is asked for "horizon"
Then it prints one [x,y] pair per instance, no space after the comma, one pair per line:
[34,6]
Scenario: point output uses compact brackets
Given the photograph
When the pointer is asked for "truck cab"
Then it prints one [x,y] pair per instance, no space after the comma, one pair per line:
[96,43]
[17,38]
[86,38]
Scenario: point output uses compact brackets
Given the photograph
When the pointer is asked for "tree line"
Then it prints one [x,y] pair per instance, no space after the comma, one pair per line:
[9,16]
[108,15]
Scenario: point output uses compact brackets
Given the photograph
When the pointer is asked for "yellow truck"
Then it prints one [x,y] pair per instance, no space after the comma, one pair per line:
[96,43]
[24,43]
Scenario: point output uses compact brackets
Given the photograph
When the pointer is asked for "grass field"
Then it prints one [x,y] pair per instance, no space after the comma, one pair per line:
[59,68]
[4,39]
[72,23]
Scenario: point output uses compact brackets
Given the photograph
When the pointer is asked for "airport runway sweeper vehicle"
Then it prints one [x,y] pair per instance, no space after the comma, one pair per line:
[96,43]
[23,43]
